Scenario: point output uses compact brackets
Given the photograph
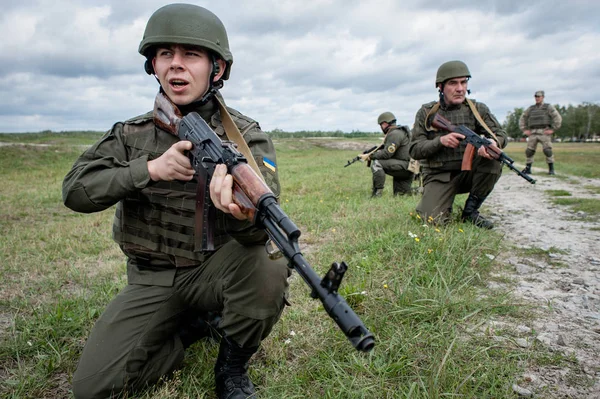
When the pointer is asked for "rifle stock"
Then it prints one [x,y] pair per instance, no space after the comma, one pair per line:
[474,141]
[259,205]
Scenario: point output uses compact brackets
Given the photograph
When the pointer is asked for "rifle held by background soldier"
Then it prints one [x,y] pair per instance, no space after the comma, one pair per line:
[367,152]
[258,203]
[476,141]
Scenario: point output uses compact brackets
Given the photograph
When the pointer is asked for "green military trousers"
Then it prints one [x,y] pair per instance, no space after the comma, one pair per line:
[538,136]
[439,189]
[402,177]
[135,341]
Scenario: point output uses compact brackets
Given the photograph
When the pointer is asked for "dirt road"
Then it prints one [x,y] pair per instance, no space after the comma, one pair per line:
[556,267]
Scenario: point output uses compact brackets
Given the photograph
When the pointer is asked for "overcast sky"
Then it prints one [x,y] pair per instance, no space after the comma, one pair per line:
[299,65]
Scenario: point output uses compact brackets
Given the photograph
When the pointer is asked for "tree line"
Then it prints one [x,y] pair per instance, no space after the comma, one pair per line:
[579,122]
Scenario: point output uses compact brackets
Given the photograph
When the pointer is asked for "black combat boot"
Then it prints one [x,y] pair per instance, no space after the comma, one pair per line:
[377,192]
[551,169]
[231,371]
[197,326]
[527,169]
[471,212]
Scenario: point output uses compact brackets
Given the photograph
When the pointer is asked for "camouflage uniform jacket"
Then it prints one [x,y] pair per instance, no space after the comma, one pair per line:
[540,117]
[154,221]
[426,146]
[395,146]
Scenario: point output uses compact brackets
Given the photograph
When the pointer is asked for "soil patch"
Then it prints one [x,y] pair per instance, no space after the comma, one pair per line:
[556,267]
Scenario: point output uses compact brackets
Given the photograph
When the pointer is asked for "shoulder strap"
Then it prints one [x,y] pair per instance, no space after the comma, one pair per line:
[480,119]
[432,111]
[233,134]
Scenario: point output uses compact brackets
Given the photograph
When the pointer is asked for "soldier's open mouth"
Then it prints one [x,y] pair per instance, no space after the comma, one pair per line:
[178,83]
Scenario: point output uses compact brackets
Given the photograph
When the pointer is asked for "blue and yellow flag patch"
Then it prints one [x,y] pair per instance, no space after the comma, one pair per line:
[270,164]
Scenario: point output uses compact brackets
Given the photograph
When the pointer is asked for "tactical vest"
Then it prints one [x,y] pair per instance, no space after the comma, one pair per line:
[450,158]
[157,222]
[539,117]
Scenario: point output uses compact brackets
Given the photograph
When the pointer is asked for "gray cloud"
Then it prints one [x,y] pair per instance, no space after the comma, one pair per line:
[313,65]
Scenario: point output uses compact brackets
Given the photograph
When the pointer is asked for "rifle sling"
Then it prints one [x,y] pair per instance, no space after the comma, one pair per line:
[204,216]
[233,134]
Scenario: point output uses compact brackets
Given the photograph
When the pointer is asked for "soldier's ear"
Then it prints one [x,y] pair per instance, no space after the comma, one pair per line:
[220,66]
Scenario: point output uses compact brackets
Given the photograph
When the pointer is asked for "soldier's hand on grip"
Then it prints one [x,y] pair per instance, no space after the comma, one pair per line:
[173,164]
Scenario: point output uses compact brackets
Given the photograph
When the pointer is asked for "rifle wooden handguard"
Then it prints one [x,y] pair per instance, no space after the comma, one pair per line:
[248,188]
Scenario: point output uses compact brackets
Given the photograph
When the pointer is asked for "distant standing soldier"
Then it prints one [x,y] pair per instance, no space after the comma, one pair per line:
[538,123]
[441,153]
[392,159]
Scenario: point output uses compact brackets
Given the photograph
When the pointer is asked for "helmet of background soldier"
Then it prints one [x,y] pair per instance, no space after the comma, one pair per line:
[451,69]
[186,24]
[386,117]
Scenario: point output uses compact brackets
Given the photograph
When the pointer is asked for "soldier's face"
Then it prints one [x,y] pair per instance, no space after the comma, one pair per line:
[183,72]
[455,90]
[539,99]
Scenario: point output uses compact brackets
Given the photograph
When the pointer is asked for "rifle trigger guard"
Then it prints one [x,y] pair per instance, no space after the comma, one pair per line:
[272,250]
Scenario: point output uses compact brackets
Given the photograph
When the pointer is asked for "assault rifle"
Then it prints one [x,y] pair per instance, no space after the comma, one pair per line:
[439,122]
[369,151]
[258,203]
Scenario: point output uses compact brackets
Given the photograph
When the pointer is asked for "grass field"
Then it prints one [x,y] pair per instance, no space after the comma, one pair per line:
[579,159]
[420,289]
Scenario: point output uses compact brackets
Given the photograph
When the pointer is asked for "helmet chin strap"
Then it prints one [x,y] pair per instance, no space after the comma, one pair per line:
[213,86]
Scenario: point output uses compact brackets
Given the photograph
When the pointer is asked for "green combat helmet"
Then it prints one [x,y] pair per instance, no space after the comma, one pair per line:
[451,69]
[186,24]
[386,117]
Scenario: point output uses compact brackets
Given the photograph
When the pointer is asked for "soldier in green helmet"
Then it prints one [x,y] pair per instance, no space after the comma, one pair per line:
[392,159]
[538,123]
[441,153]
[176,292]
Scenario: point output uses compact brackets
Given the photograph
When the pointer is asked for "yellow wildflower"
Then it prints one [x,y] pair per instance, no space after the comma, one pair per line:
[417,239]
[385,286]
[429,250]
[461,230]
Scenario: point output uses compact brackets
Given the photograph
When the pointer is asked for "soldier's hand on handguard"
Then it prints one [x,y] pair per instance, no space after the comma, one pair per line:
[451,140]
[489,153]
[364,157]
[173,164]
[221,192]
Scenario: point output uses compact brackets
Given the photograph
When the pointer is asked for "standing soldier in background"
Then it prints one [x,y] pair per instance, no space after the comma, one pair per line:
[172,282]
[441,153]
[392,159]
[538,123]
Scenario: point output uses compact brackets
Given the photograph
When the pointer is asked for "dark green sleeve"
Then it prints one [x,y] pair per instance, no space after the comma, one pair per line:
[103,175]
[393,141]
[423,144]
